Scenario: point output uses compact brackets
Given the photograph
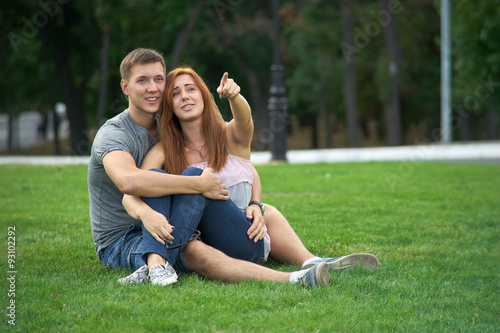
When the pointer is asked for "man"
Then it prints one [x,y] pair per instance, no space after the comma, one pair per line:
[117,153]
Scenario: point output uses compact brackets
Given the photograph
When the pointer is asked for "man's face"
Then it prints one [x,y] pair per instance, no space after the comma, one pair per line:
[145,88]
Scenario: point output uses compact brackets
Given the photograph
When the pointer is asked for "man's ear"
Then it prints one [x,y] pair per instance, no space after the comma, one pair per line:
[124,86]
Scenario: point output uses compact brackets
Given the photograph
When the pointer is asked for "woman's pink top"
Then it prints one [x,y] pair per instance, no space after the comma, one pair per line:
[237,175]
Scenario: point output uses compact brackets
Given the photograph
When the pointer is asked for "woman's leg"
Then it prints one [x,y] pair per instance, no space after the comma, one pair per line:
[286,246]
[183,210]
[224,226]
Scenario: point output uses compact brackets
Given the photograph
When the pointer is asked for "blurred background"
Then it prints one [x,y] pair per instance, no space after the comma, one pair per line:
[317,73]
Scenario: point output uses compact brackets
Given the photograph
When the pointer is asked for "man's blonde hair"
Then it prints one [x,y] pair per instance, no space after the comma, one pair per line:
[138,57]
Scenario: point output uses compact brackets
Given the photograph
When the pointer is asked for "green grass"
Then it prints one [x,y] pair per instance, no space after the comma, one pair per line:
[435,228]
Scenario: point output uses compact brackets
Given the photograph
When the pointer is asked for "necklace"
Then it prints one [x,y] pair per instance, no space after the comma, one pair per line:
[189,143]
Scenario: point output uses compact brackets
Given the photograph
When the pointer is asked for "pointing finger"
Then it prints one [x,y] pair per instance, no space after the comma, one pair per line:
[224,78]
[223,82]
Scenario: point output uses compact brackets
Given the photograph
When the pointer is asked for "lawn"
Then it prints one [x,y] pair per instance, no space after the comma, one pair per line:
[435,228]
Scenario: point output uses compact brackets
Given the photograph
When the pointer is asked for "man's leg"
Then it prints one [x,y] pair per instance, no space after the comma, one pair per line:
[126,251]
[213,264]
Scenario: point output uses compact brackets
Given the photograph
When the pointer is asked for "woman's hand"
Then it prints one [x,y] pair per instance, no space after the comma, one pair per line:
[258,229]
[228,88]
[158,226]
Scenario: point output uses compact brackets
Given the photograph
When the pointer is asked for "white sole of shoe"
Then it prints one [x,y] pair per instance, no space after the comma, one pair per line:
[365,260]
[322,275]
[166,282]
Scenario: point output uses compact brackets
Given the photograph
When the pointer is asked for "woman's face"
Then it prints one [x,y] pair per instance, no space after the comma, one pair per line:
[187,99]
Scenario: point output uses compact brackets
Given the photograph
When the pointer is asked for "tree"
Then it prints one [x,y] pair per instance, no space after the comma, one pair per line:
[182,37]
[72,47]
[350,95]
[18,49]
[392,109]
[315,83]
[476,75]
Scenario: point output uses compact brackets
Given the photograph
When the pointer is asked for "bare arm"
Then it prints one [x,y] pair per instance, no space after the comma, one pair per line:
[121,168]
[154,222]
[240,129]
[135,182]
[257,230]
[239,133]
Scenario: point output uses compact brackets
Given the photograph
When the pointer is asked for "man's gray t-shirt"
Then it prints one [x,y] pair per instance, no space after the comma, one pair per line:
[108,219]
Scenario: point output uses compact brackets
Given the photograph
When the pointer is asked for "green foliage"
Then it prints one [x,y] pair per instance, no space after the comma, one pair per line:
[315,33]
[236,36]
[433,226]
[477,54]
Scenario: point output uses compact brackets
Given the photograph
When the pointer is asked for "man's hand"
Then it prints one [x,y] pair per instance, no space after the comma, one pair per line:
[258,229]
[212,186]
[157,225]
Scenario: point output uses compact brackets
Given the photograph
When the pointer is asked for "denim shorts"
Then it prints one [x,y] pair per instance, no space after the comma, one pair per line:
[126,252]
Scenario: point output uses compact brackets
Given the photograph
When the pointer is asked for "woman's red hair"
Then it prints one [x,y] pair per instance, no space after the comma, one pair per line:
[171,137]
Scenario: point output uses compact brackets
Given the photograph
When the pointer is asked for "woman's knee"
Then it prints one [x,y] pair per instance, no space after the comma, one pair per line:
[192,171]
[158,170]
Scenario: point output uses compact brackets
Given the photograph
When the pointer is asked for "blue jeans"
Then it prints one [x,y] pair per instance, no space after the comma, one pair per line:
[126,251]
[222,224]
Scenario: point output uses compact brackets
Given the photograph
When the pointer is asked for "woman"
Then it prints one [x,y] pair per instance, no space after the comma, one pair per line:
[193,133]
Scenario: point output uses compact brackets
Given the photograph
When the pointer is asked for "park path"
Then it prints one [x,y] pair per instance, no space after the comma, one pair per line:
[477,152]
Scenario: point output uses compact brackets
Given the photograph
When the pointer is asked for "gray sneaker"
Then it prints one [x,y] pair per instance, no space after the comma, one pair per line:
[162,275]
[365,260]
[315,276]
[139,276]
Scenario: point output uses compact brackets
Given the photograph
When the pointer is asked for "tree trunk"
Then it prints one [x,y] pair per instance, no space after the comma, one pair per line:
[11,130]
[74,80]
[50,88]
[492,123]
[256,101]
[75,104]
[325,115]
[464,129]
[313,119]
[106,37]
[9,107]
[180,43]
[352,118]
[392,109]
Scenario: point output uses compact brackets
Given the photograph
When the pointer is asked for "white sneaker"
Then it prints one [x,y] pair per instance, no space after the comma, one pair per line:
[139,276]
[162,275]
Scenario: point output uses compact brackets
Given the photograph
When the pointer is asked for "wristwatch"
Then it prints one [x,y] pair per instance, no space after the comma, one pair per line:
[262,209]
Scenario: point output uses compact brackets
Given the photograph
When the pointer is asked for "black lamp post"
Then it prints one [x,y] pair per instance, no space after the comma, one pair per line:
[277,104]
